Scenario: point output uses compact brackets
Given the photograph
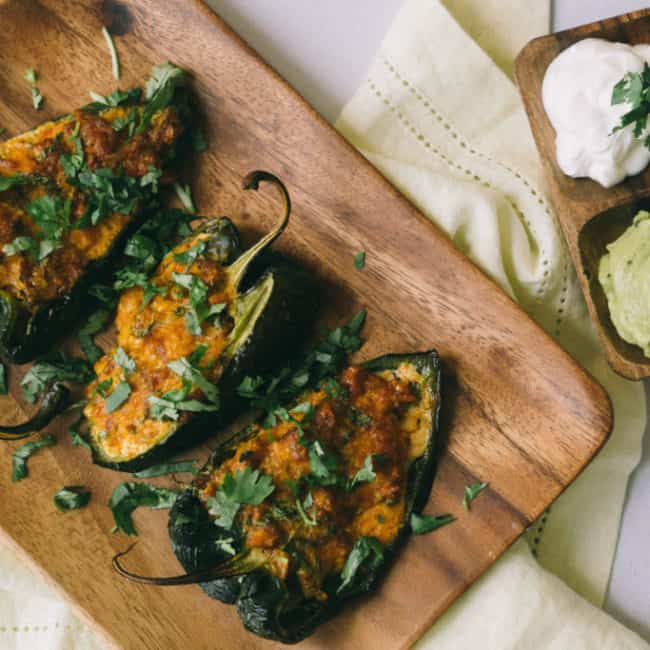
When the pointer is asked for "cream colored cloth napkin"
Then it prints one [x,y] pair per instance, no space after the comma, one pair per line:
[439,116]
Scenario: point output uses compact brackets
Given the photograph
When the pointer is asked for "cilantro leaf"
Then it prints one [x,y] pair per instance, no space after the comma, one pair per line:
[22,453]
[160,90]
[184,369]
[126,497]
[71,497]
[365,474]
[37,98]
[421,524]
[30,76]
[77,439]
[247,487]
[184,194]
[123,360]
[634,90]
[360,260]
[471,492]
[321,362]
[119,395]
[95,323]
[366,550]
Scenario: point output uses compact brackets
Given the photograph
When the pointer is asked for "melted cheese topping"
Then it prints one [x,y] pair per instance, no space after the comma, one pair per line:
[398,405]
[38,152]
[153,336]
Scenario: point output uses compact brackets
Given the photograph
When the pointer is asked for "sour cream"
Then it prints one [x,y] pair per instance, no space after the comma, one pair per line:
[577,95]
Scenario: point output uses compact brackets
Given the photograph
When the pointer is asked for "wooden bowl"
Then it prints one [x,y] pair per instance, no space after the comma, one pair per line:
[591,216]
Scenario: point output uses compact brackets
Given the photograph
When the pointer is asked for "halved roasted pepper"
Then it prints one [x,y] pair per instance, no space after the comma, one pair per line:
[294,517]
[70,192]
[185,342]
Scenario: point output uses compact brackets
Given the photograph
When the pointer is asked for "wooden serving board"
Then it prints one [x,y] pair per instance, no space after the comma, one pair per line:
[517,411]
[591,215]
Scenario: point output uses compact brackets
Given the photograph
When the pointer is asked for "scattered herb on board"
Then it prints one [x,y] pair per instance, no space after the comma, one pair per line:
[22,453]
[360,260]
[421,524]
[471,492]
[174,467]
[634,90]
[126,497]
[71,497]
[115,61]
[30,76]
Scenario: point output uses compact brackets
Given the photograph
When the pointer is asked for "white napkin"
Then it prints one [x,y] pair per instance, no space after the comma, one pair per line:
[445,124]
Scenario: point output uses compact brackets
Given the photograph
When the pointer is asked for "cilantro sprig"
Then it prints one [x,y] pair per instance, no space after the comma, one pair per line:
[244,487]
[634,90]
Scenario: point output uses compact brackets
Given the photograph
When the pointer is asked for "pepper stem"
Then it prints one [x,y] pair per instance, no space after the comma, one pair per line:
[238,268]
[237,565]
[54,402]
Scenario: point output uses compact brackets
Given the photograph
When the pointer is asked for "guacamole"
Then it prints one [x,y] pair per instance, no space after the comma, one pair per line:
[624,274]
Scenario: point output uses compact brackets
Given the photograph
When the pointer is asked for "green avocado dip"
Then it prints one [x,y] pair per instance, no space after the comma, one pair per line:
[624,274]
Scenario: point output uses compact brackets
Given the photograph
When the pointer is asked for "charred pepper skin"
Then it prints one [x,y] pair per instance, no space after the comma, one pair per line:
[268,606]
[30,331]
[283,323]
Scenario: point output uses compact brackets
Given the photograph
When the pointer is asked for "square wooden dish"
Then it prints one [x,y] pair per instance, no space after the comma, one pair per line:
[517,411]
[591,215]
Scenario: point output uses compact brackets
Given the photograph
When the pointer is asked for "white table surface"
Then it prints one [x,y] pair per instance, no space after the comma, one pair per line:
[323,49]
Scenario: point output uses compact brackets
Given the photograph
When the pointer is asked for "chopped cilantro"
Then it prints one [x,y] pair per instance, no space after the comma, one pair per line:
[94,324]
[365,474]
[77,439]
[119,395]
[471,492]
[22,453]
[30,76]
[71,497]
[634,90]
[360,260]
[184,194]
[247,487]
[184,369]
[123,360]
[421,524]
[115,62]
[366,550]
[37,98]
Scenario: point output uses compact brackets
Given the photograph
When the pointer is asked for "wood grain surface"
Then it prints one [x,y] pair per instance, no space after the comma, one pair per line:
[591,215]
[517,411]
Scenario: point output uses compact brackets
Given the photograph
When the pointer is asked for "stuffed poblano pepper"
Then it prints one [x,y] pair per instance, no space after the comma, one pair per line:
[300,513]
[208,316]
[70,190]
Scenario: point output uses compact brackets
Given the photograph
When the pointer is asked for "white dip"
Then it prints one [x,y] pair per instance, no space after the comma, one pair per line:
[577,94]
